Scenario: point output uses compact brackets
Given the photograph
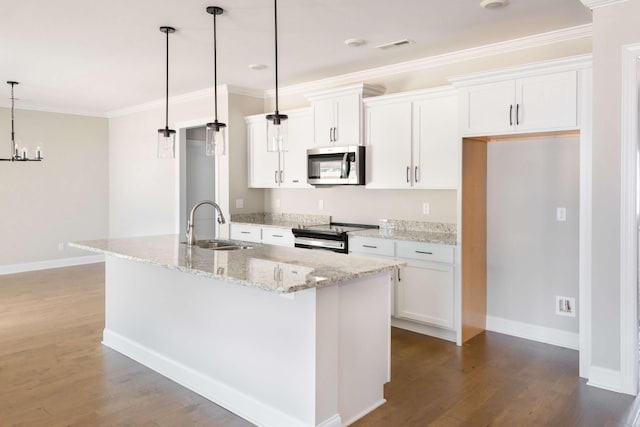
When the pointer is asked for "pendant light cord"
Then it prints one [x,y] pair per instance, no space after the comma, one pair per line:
[275,14]
[215,69]
[13,133]
[166,108]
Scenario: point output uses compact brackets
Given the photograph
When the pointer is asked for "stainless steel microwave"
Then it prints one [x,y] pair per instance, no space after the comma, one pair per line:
[336,165]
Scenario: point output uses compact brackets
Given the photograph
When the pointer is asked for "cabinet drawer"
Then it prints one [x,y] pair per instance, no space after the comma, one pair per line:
[425,252]
[277,236]
[367,245]
[248,233]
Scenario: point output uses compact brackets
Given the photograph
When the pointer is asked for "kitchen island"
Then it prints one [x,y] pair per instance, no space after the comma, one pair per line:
[280,336]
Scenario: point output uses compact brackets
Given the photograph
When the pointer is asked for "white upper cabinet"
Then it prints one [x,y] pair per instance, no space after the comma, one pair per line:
[337,115]
[273,169]
[412,140]
[436,144]
[263,166]
[388,152]
[536,98]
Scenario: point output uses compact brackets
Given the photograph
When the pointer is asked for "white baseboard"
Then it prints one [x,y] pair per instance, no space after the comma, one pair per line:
[534,332]
[605,378]
[220,393]
[432,331]
[334,421]
[53,263]
[363,413]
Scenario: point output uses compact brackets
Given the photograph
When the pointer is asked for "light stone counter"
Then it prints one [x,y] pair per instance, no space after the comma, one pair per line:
[409,235]
[280,220]
[271,268]
[415,231]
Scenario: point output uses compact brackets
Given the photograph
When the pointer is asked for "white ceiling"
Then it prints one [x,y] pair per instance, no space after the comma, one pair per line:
[95,57]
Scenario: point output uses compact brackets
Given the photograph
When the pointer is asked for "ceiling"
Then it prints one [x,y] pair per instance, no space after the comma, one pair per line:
[86,56]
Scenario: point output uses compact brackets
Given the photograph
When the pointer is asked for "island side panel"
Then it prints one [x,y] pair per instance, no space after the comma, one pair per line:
[248,350]
[364,344]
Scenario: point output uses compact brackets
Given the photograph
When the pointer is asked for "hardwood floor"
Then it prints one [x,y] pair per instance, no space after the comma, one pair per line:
[55,372]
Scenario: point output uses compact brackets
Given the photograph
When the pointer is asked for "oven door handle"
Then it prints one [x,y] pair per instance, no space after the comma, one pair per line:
[317,243]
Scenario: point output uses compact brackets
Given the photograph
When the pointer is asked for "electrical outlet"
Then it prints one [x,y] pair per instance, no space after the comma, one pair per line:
[561,214]
[239,203]
[426,208]
[320,204]
[565,306]
[277,203]
[60,247]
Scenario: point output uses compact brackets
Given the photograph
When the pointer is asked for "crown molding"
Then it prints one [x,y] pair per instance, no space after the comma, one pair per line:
[56,110]
[187,97]
[595,4]
[553,65]
[542,39]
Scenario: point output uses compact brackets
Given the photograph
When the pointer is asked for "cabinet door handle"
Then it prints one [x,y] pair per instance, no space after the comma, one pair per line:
[275,176]
[416,177]
[408,172]
[277,235]
[335,134]
[370,246]
[399,278]
[424,253]
[245,232]
[330,134]
[280,177]
[517,114]
[511,115]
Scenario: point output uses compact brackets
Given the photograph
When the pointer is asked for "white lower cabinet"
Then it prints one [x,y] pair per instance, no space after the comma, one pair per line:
[261,234]
[423,292]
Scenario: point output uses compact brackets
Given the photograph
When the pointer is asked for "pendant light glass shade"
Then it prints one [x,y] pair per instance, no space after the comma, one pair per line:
[276,122]
[166,136]
[215,144]
[277,132]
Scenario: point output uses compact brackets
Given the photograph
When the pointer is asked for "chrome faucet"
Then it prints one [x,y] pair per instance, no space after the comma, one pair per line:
[191,237]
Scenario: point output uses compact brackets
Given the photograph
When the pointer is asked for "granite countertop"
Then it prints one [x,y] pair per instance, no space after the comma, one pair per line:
[279,220]
[410,235]
[271,268]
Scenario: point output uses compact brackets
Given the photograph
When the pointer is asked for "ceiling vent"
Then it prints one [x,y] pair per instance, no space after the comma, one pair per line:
[397,43]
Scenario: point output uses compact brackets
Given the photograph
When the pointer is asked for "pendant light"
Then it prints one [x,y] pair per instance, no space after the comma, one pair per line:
[19,154]
[215,143]
[276,122]
[166,136]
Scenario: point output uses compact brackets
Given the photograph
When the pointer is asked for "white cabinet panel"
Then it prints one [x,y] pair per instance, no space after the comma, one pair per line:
[389,145]
[547,102]
[436,143]
[247,233]
[277,236]
[264,166]
[490,108]
[426,293]
[323,122]
[348,122]
[425,252]
[371,246]
[294,161]
[539,103]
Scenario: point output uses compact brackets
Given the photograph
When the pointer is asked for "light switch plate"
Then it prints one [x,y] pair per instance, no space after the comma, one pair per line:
[277,203]
[239,203]
[561,214]
[320,204]
[426,208]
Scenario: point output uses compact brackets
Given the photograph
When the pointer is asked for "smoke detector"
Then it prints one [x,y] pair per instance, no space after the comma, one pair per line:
[397,43]
[354,42]
[493,4]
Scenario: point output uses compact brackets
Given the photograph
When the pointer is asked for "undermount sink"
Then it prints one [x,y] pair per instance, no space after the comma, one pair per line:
[220,245]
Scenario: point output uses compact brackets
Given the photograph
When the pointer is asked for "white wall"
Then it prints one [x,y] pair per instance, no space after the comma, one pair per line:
[531,257]
[143,188]
[64,197]
[613,27]
[358,205]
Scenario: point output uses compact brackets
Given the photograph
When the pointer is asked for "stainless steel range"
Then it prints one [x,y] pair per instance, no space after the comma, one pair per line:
[330,237]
